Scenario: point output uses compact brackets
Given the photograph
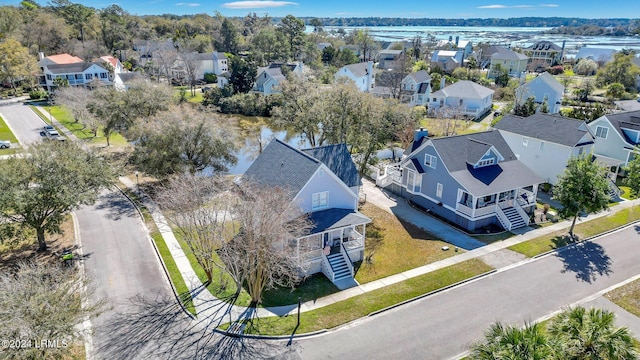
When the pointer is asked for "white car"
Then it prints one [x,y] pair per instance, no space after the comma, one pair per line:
[5,144]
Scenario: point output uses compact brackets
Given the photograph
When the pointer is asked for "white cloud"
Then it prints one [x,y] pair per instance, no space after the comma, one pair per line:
[523,6]
[188,4]
[257,4]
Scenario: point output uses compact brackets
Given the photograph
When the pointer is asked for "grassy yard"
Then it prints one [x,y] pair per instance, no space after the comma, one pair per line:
[582,230]
[626,193]
[356,307]
[401,246]
[627,297]
[6,134]
[65,117]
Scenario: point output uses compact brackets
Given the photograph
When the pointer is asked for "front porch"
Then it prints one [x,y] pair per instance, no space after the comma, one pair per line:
[511,207]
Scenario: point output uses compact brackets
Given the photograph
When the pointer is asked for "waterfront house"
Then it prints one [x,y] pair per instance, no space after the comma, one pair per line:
[270,77]
[599,55]
[325,184]
[543,88]
[543,54]
[462,98]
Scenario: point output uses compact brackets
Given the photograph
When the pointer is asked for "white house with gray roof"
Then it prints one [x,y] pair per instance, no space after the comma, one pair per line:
[617,135]
[543,88]
[463,98]
[415,88]
[361,74]
[471,180]
[85,74]
[325,184]
[544,143]
[270,77]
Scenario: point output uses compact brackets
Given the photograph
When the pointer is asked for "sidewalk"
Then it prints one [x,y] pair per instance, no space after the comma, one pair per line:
[210,307]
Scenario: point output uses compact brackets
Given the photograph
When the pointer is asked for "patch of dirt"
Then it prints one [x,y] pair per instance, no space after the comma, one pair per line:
[10,255]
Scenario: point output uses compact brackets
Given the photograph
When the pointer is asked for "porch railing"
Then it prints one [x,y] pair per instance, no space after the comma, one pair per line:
[356,242]
[522,214]
[485,210]
[326,268]
[504,221]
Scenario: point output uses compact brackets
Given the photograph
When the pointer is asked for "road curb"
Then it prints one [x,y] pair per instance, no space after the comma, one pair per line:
[155,249]
[271,337]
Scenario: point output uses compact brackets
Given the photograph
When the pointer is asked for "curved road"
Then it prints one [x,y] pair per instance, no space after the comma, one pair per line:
[25,124]
[444,325]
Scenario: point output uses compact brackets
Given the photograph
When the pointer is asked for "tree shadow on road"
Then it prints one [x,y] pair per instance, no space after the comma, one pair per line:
[159,329]
[588,260]
[116,204]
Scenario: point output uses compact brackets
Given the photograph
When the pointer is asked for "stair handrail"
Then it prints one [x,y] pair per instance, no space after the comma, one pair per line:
[326,268]
[523,214]
[344,253]
[503,218]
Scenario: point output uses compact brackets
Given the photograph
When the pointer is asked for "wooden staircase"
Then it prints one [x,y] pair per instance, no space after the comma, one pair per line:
[514,218]
[339,266]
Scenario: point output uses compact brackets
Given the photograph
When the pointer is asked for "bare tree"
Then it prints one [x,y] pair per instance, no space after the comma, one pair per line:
[77,99]
[45,302]
[165,57]
[263,252]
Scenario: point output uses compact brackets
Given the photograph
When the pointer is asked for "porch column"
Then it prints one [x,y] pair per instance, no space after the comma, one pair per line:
[535,191]
[364,233]
[474,203]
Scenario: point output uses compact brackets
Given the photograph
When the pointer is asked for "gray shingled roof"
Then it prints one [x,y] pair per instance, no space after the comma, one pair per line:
[128,76]
[281,165]
[506,175]
[551,128]
[71,68]
[476,150]
[420,77]
[544,45]
[625,119]
[338,159]
[359,69]
[507,54]
[336,218]
[464,89]
[547,79]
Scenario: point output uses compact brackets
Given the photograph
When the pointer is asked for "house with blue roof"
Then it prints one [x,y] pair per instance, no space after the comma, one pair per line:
[472,180]
[326,184]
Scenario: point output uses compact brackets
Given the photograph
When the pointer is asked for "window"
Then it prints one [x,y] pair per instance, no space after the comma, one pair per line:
[88,76]
[439,190]
[541,145]
[414,182]
[48,76]
[430,161]
[320,200]
[103,75]
[602,132]
[525,141]
[486,162]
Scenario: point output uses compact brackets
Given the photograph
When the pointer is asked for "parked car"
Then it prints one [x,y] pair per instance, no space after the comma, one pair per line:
[47,129]
[5,144]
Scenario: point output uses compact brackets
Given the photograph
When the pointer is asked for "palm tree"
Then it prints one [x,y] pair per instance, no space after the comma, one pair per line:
[582,334]
[510,342]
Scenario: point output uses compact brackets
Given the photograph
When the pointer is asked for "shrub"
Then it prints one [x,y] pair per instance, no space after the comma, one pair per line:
[210,78]
[37,94]
[555,70]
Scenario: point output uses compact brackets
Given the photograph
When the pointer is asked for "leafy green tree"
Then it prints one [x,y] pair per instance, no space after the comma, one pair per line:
[293,29]
[420,65]
[15,62]
[581,334]
[510,342]
[615,91]
[113,27]
[584,90]
[366,42]
[502,76]
[229,35]
[182,140]
[621,70]
[317,25]
[632,169]
[41,188]
[584,186]
[77,16]
[243,75]
[526,108]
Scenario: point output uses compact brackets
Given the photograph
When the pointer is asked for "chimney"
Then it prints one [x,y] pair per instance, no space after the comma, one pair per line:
[457,40]
[40,55]
[419,134]
[370,76]
[442,82]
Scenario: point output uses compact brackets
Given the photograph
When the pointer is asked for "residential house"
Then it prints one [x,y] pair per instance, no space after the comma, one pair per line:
[544,143]
[458,45]
[325,184]
[599,55]
[464,98]
[361,74]
[270,77]
[484,53]
[122,81]
[86,74]
[113,65]
[447,60]
[199,63]
[221,68]
[616,136]
[390,59]
[416,88]
[543,54]
[506,59]
[543,88]
[471,180]
[57,59]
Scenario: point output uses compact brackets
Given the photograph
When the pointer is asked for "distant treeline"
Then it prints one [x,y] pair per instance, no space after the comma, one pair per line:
[509,22]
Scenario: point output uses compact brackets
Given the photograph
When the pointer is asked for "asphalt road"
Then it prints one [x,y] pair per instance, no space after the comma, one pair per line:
[25,124]
[119,256]
[446,324]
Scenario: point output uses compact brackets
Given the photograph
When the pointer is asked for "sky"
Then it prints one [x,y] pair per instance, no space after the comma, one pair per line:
[378,8]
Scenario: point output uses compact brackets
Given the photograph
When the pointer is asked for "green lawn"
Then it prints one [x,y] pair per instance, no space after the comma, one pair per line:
[626,193]
[6,134]
[359,306]
[582,230]
[65,117]
[627,297]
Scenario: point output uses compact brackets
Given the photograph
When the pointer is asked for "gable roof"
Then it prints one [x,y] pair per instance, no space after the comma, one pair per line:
[219,55]
[549,80]
[110,59]
[544,45]
[72,68]
[508,174]
[596,54]
[625,120]
[359,69]
[506,54]
[551,128]
[129,76]
[281,165]
[335,218]
[338,159]
[64,59]
[420,77]
[464,89]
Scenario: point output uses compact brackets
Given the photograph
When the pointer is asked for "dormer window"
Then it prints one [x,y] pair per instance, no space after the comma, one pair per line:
[486,162]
